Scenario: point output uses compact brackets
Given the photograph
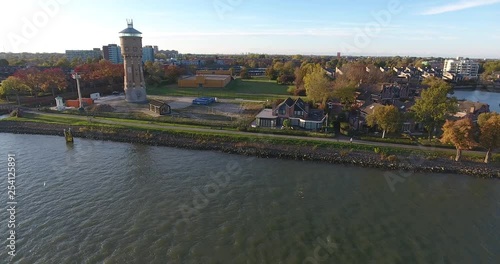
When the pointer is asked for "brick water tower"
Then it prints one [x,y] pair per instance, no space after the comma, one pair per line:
[131,44]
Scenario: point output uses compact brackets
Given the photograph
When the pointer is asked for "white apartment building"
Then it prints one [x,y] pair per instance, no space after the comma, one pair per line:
[467,68]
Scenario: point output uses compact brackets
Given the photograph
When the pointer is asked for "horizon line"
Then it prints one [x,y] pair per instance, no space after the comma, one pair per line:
[293,54]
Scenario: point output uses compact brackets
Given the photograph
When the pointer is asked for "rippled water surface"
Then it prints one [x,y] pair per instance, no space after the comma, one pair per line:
[493,99]
[95,202]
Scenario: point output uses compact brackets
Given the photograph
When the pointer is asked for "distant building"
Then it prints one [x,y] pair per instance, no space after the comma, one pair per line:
[195,62]
[83,55]
[297,112]
[205,81]
[170,53]
[454,77]
[471,109]
[393,92]
[148,54]
[257,72]
[156,49]
[159,107]
[214,72]
[466,68]
[112,53]
[224,62]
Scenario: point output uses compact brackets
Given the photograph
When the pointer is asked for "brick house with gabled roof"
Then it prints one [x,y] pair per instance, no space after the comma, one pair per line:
[298,112]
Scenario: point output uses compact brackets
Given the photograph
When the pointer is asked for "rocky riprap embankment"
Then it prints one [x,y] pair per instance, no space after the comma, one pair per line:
[260,149]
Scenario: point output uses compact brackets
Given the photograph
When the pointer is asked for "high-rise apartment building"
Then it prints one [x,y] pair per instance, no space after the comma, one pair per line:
[467,68]
[148,54]
[112,53]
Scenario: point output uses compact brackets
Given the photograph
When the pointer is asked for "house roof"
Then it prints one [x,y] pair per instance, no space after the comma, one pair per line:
[470,107]
[266,113]
[157,103]
[368,109]
[300,105]
[403,106]
[315,115]
[289,102]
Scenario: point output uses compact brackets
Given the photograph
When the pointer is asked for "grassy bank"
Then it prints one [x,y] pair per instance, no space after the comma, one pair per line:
[264,146]
[251,138]
[141,118]
[252,89]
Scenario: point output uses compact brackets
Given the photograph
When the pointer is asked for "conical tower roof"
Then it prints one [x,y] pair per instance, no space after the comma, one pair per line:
[130,30]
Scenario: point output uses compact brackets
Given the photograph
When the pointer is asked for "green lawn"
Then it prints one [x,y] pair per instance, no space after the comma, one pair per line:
[253,89]
[207,135]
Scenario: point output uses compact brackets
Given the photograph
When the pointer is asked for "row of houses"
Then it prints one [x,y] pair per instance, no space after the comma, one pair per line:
[302,116]
[466,109]
[403,98]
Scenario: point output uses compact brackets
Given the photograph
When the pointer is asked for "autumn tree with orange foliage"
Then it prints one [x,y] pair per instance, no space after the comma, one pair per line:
[103,72]
[53,79]
[489,125]
[173,72]
[459,133]
[32,78]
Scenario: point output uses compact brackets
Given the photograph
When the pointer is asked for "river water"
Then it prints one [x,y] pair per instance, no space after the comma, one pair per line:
[106,202]
[493,99]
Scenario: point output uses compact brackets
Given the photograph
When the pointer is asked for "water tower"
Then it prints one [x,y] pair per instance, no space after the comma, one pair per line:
[131,45]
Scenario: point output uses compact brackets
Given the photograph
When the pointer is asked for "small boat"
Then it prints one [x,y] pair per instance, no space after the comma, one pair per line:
[68,136]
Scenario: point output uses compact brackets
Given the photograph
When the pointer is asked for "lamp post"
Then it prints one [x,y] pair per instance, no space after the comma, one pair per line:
[77,77]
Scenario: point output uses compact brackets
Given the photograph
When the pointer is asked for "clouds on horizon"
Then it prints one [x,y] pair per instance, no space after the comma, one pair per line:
[462,5]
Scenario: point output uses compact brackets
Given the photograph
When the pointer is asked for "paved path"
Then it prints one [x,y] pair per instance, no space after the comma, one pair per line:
[232,132]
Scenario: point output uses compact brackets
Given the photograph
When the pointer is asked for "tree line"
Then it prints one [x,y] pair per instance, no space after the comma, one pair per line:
[464,134]
[320,85]
[155,73]
[431,109]
[434,109]
[35,82]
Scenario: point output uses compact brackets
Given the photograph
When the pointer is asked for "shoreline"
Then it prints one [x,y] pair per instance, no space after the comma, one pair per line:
[259,149]
[476,88]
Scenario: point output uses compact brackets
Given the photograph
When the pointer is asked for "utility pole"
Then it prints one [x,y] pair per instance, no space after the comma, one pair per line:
[77,77]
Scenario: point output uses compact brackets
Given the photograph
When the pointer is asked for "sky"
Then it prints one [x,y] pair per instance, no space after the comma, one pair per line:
[440,28]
